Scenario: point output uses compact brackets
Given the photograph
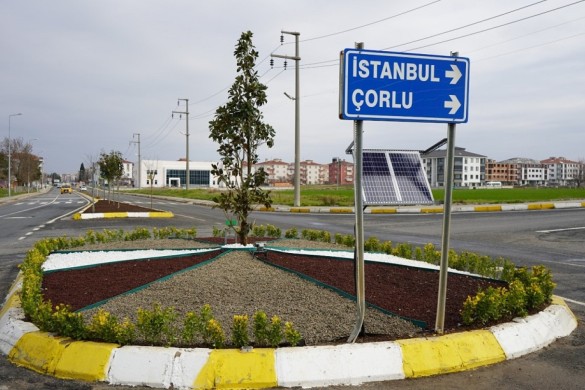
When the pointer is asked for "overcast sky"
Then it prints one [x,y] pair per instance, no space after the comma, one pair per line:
[88,75]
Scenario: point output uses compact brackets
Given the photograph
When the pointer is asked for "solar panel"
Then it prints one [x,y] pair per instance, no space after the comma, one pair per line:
[394,177]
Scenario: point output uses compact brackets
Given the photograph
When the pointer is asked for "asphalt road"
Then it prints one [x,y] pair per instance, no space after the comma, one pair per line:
[555,238]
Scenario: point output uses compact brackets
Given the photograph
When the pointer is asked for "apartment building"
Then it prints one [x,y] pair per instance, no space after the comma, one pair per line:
[340,172]
[562,172]
[278,171]
[313,173]
[517,171]
[469,168]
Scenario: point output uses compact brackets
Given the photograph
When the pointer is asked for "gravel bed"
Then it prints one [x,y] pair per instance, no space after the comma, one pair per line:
[236,283]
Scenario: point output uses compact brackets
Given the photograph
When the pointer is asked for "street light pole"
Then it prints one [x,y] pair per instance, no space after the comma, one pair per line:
[10,155]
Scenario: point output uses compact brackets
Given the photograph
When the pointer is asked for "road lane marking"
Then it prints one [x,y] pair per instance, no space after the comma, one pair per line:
[560,230]
[573,301]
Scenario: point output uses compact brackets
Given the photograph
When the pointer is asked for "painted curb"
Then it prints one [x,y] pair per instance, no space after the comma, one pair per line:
[427,209]
[150,214]
[346,364]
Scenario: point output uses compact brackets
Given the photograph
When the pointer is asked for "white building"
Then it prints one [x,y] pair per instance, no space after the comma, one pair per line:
[561,172]
[468,171]
[160,173]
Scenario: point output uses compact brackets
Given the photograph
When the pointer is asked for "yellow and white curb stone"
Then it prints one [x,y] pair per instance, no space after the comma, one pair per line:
[315,366]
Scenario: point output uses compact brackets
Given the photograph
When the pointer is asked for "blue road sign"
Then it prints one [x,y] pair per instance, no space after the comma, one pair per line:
[405,87]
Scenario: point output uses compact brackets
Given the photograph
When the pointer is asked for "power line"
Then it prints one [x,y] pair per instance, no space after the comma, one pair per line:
[467,25]
[531,47]
[523,36]
[372,23]
[498,26]
[335,62]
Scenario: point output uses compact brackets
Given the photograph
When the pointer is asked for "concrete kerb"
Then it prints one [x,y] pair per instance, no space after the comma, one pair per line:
[346,364]
[122,214]
[390,209]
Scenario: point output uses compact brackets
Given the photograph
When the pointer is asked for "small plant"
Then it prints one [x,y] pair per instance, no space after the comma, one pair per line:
[259,231]
[273,231]
[240,336]
[274,332]
[217,232]
[137,234]
[261,328]
[67,323]
[215,333]
[403,250]
[106,327]
[349,240]
[292,336]
[195,324]
[155,326]
[316,235]
[291,233]
[372,244]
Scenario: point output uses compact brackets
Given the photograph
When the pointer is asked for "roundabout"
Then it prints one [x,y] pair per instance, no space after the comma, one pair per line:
[308,366]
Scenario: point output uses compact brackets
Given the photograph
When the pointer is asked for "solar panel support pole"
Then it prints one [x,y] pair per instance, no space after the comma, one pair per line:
[444,270]
[359,231]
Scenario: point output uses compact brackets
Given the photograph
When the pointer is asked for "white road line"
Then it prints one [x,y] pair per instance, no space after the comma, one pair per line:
[573,301]
[560,230]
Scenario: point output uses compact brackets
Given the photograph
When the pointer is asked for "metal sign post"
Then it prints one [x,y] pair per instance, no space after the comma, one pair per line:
[360,280]
[444,270]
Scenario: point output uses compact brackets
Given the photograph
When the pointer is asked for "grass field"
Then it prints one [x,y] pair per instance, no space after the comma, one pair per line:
[343,196]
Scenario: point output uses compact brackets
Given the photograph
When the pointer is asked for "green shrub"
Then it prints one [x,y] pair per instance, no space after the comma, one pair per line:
[372,244]
[403,250]
[106,327]
[275,332]
[259,231]
[273,231]
[291,233]
[292,336]
[214,333]
[217,232]
[137,234]
[240,337]
[155,326]
[261,328]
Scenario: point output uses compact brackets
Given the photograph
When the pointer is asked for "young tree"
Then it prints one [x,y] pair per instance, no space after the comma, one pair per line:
[111,168]
[239,130]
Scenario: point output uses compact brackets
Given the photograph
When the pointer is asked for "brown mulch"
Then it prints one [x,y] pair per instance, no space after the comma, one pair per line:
[406,291]
[85,286]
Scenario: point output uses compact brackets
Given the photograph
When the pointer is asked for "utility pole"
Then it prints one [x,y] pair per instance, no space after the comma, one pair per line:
[297,99]
[186,112]
[139,170]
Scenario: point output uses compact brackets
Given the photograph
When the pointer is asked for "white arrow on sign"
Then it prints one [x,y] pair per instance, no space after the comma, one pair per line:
[454,74]
[453,104]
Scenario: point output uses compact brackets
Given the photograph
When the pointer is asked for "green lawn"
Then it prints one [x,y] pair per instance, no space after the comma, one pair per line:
[343,195]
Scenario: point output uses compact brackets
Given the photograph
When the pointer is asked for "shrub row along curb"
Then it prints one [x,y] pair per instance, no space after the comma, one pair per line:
[347,364]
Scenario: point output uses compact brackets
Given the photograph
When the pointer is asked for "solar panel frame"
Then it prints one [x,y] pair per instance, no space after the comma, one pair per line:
[394,177]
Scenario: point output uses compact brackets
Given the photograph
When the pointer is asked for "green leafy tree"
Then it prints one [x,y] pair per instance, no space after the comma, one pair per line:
[239,130]
[111,168]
